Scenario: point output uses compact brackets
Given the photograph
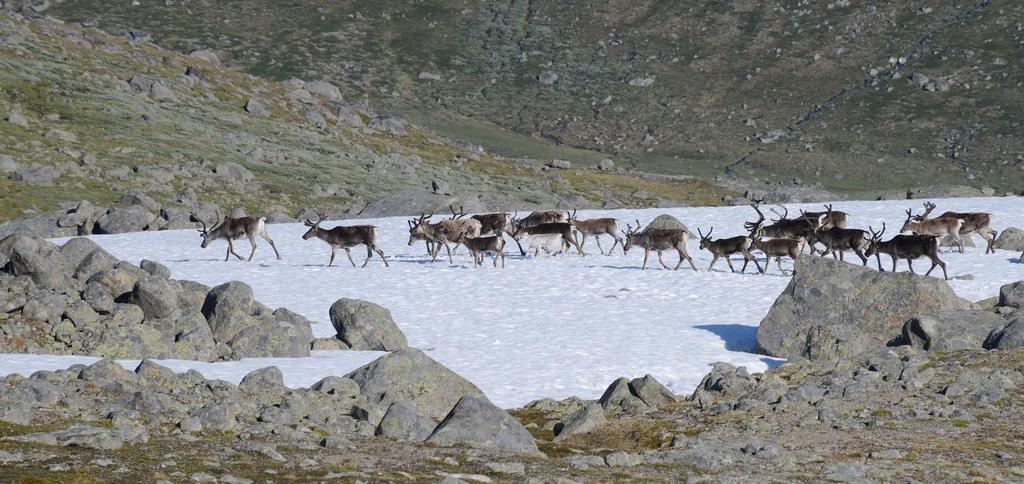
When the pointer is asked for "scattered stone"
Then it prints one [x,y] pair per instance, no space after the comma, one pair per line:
[475,422]
[588,418]
[955,330]
[403,422]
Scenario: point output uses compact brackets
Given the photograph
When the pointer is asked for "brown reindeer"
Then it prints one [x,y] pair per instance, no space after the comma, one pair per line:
[657,240]
[232,229]
[596,227]
[936,226]
[444,232]
[838,240]
[499,223]
[907,247]
[416,237]
[777,248]
[726,247]
[789,228]
[545,236]
[346,238]
[543,217]
[974,222]
[481,245]
[837,219]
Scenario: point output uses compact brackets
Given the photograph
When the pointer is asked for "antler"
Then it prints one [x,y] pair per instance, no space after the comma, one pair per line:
[755,227]
[704,236]
[782,216]
[572,215]
[928,207]
[876,235]
[910,214]
[203,230]
[457,214]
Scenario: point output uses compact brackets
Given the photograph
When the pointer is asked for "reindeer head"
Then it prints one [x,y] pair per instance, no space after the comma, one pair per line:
[820,226]
[207,232]
[755,228]
[705,240]
[876,237]
[313,226]
[418,227]
[632,234]
[908,225]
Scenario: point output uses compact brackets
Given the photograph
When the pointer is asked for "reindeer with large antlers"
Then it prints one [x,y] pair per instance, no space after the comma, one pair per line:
[497,224]
[346,238]
[974,222]
[232,229]
[777,248]
[907,247]
[657,240]
[726,247]
[838,240]
[936,226]
[789,228]
[596,227]
[445,232]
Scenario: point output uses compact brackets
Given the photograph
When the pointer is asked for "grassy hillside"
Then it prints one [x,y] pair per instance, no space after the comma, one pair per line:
[87,115]
[836,92]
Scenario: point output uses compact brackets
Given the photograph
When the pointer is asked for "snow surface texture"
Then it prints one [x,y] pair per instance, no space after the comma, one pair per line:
[545,326]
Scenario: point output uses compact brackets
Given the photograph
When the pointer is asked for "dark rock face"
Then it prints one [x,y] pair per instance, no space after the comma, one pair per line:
[403,422]
[1008,336]
[78,299]
[833,309]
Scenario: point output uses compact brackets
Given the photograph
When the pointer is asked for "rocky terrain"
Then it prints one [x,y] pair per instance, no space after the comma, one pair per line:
[124,125]
[849,405]
[829,92]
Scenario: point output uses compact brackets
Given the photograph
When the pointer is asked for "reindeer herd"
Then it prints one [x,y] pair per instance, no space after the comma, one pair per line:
[557,231]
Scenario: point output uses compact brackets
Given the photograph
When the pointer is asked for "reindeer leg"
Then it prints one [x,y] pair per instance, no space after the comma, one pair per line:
[748,255]
[661,260]
[369,254]
[729,262]
[581,239]
[597,238]
[231,250]
[334,251]
[878,258]
[713,260]
[252,242]
[270,241]
[744,268]
[446,246]
[646,253]
[893,263]
[910,264]
[381,254]
[348,252]
[778,260]
[579,248]
[860,253]
[676,268]
[227,254]
[690,260]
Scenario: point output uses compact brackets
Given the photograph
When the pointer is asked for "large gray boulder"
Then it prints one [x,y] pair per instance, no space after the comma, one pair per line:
[403,422]
[124,220]
[27,260]
[228,308]
[666,221]
[948,331]
[476,422]
[366,326]
[412,376]
[1010,335]
[1010,239]
[832,309]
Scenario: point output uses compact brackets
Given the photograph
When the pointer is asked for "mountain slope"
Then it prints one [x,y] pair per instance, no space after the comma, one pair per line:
[829,92]
[87,115]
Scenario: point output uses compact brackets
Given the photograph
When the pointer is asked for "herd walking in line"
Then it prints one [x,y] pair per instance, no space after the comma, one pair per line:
[556,231]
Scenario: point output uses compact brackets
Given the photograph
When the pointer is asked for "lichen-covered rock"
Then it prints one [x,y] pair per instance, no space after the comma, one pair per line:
[412,376]
[833,309]
[588,418]
[403,422]
[476,422]
[366,326]
[955,330]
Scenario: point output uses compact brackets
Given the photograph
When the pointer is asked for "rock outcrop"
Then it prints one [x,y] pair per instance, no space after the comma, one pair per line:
[833,309]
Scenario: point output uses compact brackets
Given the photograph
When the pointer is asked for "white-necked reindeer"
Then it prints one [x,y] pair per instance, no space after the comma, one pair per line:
[232,229]
[936,226]
[346,238]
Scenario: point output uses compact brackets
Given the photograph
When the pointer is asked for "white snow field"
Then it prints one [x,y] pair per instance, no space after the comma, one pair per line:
[545,326]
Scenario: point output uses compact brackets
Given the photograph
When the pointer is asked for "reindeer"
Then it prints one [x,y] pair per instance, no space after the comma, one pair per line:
[444,232]
[232,229]
[936,226]
[837,240]
[346,238]
[727,247]
[414,237]
[597,227]
[777,248]
[545,236]
[543,217]
[480,245]
[907,247]
[974,222]
[499,223]
[657,240]
[789,228]
[836,219]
